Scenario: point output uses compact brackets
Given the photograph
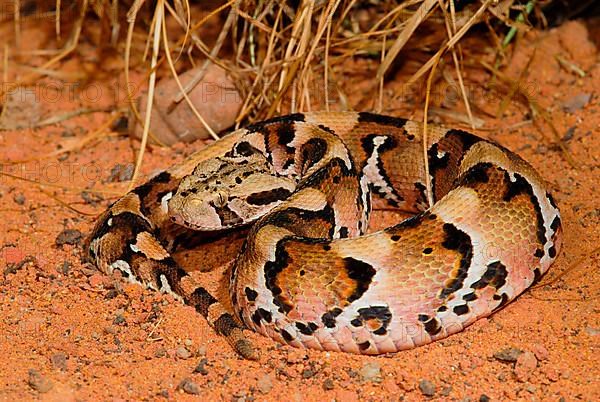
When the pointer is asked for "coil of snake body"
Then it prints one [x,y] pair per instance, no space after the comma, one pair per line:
[307,275]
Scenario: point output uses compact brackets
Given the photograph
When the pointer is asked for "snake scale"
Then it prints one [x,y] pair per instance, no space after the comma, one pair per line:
[307,274]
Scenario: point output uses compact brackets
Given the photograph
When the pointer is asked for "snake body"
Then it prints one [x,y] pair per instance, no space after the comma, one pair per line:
[307,275]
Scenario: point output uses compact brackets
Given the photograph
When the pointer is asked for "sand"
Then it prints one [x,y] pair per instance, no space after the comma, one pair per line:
[70,333]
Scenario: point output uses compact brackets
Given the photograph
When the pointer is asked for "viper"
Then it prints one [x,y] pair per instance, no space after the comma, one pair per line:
[483,228]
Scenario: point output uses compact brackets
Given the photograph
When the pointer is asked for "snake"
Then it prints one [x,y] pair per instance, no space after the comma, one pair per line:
[482,228]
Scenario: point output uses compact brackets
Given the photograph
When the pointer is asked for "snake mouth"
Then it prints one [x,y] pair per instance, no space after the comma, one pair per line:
[203,227]
[194,225]
[209,219]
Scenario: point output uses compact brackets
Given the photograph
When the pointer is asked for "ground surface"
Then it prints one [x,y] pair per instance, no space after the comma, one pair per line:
[69,333]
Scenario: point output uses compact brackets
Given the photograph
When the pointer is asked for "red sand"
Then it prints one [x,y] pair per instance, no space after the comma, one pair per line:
[69,333]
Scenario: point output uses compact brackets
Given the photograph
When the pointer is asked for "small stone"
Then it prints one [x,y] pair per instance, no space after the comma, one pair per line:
[371,372]
[189,387]
[13,267]
[201,367]
[119,320]
[183,353]
[484,398]
[328,384]
[308,373]
[160,352]
[188,343]
[202,351]
[111,294]
[427,387]
[64,268]
[121,173]
[445,391]
[540,351]
[592,331]
[95,280]
[11,254]
[69,236]
[59,361]
[19,199]
[526,363]
[265,384]
[407,383]
[390,386]
[552,374]
[88,272]
[530,388]
[508,354]
[295,356]
[577,102]
[38,382]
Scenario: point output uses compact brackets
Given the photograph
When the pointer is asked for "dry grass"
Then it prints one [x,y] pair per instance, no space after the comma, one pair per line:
[279,53]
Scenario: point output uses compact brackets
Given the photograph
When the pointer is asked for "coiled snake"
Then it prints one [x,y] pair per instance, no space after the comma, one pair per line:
[306,274]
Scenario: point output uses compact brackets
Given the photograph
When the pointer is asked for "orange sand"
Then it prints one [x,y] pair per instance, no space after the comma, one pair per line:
[69,333]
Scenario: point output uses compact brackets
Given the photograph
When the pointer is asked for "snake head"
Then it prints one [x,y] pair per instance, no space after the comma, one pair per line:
[228,191]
